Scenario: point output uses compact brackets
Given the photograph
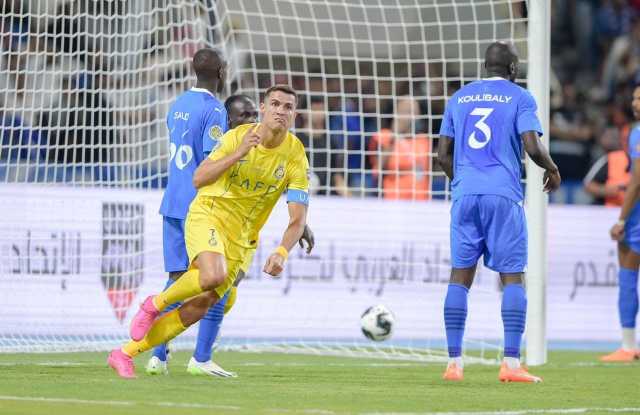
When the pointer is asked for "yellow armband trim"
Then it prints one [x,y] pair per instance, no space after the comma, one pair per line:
[282,251]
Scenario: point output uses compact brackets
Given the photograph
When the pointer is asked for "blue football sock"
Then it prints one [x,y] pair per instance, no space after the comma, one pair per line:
[514,316]
[161,351]
[208,330]
[628,297]
[455,317]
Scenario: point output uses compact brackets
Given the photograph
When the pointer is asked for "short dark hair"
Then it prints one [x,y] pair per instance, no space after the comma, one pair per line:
[207,63]
[233,98]
[282,88]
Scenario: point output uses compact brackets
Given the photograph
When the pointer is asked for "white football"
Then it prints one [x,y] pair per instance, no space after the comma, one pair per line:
[377,323]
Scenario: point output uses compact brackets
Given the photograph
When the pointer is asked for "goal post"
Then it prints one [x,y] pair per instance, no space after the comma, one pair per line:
[536,200]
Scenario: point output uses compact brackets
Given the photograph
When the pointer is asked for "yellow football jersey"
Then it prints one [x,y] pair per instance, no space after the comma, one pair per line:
[247,192]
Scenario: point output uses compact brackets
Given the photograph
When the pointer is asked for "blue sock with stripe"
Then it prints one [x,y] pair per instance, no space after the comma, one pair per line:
[161,351]
[455,317]
[208,330]
[628,297]
[514,316]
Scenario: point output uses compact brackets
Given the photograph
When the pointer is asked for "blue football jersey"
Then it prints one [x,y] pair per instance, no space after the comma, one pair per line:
[485,119]
[632,227]
[196,121]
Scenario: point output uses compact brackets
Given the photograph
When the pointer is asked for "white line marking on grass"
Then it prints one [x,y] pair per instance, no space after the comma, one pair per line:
[52,364]
[306,364]
[517,412]
[64,400]
[117,403]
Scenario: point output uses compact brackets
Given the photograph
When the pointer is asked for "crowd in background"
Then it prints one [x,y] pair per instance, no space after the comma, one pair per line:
[366,135]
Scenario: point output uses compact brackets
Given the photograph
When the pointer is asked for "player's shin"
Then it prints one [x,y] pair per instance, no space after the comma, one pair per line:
[628,305]
[455,317]
[514,315]
[208,330]
[164,329]
[186,287]
[161,350]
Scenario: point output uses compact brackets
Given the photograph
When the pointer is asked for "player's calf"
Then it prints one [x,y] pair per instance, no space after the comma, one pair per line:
[193,310]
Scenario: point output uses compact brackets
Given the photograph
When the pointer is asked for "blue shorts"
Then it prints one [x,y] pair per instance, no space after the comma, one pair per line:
[632,239]
[173,246]
[632,229]
[492,226]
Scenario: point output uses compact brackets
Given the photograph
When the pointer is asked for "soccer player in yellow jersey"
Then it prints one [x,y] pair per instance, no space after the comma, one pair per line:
[238,186]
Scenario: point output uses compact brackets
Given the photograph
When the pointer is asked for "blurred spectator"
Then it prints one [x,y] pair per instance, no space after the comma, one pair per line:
[325,153]
[570,141]
[607,179]
[402,156]
[18,141]
[81,129]
[623,61]
[613,19]
[355,129]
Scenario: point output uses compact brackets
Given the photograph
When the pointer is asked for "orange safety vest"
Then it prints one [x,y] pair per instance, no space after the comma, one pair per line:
[406,173]
[618,173]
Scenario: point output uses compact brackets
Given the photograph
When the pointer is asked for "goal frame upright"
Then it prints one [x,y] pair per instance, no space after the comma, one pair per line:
[538,64]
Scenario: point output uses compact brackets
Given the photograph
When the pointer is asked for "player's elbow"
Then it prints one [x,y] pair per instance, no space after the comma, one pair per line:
[443,160]
[534,152]
[197,181]
[199,178]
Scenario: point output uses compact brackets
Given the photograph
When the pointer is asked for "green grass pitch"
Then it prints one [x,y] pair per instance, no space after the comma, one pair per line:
[80,383]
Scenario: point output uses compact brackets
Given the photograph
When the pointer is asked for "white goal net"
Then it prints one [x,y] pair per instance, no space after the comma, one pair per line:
[84,90]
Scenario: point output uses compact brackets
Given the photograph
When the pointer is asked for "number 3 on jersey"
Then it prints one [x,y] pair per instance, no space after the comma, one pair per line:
[482,126]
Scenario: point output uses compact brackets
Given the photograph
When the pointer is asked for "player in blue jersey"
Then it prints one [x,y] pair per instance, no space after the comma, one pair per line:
[196,121]
[627,232]
[480,148]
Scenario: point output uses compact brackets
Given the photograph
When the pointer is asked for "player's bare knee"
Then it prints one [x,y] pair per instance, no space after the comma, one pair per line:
[212,278]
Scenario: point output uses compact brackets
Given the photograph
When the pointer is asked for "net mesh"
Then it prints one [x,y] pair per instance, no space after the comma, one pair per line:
[85,87]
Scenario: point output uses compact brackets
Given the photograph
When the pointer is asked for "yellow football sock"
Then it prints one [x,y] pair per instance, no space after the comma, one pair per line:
[187,286]
[164,329]
[133,349]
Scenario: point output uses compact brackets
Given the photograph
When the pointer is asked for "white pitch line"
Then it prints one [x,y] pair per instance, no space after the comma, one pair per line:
[518,412]
[117,403]
[52,364]
[313,411]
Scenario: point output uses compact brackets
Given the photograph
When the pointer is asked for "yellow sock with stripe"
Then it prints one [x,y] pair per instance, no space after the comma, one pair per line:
[164,329]
[187,286]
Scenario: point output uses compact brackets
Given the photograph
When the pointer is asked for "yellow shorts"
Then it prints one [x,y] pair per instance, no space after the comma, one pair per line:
[203,232]
[248,259]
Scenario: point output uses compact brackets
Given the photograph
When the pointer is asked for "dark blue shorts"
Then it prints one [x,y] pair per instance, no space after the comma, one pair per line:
[492,226]
[173,245]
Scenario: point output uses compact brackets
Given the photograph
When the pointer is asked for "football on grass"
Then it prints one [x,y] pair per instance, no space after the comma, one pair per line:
[377,323]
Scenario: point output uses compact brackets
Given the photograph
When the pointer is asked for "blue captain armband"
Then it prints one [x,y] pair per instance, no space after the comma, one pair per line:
[298,196]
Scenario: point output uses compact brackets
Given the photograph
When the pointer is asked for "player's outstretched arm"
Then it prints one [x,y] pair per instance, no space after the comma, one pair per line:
[293,233]
[630,199]
[445,155]
[540,155]
[210,170]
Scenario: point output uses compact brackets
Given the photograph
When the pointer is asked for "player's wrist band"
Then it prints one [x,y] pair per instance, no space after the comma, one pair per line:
[282,251]
[621,222]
